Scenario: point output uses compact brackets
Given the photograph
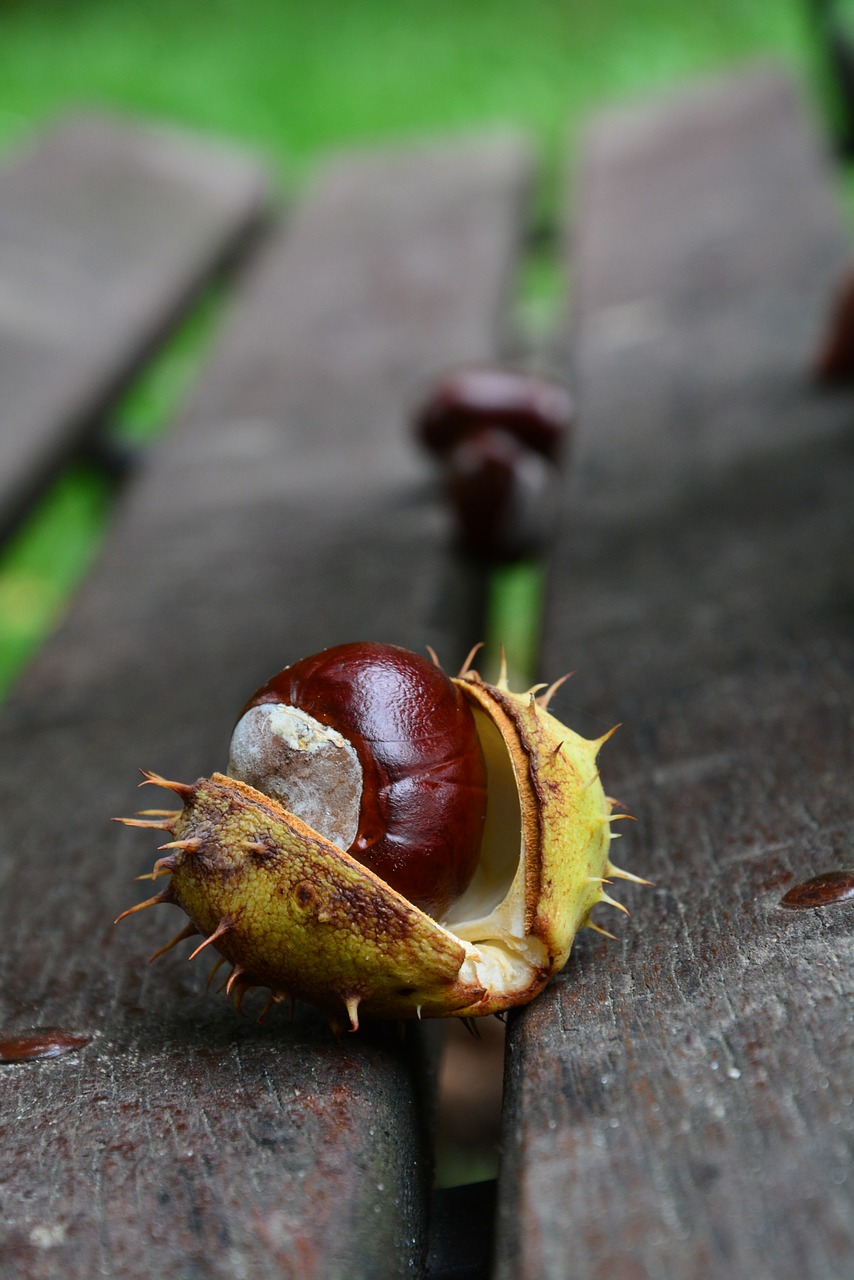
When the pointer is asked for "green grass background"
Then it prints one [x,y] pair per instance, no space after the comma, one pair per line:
[297,79]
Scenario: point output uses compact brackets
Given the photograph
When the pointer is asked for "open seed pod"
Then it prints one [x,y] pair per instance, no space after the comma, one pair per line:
[502,801]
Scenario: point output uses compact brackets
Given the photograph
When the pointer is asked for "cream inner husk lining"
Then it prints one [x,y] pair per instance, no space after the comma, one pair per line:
[490,916]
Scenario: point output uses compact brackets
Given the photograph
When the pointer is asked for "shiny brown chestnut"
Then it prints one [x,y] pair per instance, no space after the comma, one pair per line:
[503,494]
[534,409]
[375,748]
[834,361]
[499,434]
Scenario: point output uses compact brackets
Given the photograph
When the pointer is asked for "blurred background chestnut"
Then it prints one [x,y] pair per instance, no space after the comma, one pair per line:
[500,435]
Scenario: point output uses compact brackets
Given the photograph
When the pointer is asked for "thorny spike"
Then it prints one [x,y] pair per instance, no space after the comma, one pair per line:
[236,973]
[599,743]
[239,993]
[255,846]
[159,813]
[552,690]
[162,867]
[145,824]
[466,667]
[189,931]
[220,961]
[434,659]
[621,817]
[556,751]
[275,997]
[501,683]
[597,928]
[532,692]
[224,925]
[181,789]
[590,781]
[188,846]
[612,902]
[471,1027]
[165,895]
[619,874]
[352,1002]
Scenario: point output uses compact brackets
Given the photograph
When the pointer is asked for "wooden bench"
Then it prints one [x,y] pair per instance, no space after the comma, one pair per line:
[675,1102]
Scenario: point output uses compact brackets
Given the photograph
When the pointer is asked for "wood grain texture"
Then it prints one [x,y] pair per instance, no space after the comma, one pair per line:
[379,296]
[713,242]
[679,1102]
[108,229]
[183,1142]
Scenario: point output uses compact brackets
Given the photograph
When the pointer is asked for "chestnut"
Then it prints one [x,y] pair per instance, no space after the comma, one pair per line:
[534,409]
[500,435]
[503,495]
[365,786]
[834,361]
[376,749]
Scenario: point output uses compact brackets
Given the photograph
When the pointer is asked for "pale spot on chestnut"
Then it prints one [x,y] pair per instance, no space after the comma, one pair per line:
[308,766]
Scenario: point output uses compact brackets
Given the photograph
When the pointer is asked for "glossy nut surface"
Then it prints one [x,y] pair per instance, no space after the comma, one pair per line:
[422,806]
[834,361]
[502,494]
[535,409]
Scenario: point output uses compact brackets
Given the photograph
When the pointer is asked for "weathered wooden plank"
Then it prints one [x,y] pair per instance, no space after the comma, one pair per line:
[107,231]
[679,1102]
[386,296]
[712,243]
[182,1142]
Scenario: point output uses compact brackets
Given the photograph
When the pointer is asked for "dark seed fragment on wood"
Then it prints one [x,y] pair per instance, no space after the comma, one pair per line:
[44,1042]
[821,891]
